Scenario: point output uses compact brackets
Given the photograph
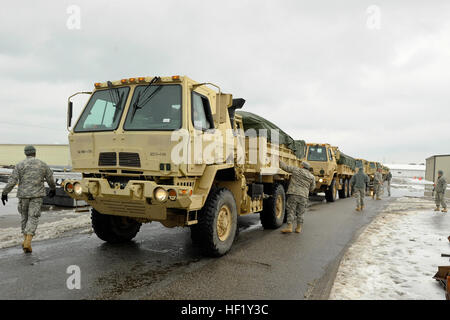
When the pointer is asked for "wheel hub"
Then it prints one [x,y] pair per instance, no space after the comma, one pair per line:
[224,223]
[279,206]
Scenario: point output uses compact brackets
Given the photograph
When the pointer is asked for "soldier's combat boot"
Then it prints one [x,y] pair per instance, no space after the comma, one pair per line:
[298,229]
[444,210]
[378,198]
[437,209]
[362,208]
[358,209]
[288,229]
[27,243]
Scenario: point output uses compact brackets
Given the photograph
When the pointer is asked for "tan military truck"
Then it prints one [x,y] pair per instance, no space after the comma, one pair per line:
[367,170]
[362,163]
[372,168]
[332,169]
[384,171]
[150,149]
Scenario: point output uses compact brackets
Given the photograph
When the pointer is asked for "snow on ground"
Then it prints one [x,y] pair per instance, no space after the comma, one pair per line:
[397,255]
[67,220]
[10,237]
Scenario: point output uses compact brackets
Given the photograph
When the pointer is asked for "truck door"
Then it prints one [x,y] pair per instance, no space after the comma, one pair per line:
[202,131]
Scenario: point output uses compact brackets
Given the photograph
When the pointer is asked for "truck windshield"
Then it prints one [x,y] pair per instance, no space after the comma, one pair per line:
[359,163]
[317,154]
[103,111]
[372,165]
[155,108]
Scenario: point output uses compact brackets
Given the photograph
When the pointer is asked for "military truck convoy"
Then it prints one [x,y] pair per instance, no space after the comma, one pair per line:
[176,151]
[332,168]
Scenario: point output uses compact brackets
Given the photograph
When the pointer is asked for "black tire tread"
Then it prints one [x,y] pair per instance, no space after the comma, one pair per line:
[202,233]
[329,192]
[267,216]
[101,223]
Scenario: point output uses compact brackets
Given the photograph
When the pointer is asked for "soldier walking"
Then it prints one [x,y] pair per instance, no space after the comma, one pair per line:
[377,184]
[30,174]
[358,184]
[302,182]
[439,191]
[388,179]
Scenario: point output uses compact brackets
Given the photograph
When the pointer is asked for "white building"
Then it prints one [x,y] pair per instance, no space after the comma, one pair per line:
[413,171]
[53,154]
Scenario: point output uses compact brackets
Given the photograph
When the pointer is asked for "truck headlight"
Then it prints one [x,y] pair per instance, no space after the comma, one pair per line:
[77,189]
[320,180]
[160,194]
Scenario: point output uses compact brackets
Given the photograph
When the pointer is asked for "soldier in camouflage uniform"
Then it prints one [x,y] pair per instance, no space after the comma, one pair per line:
[439,190]
[302,182]
[30,174]
[358,184]
[377,184]
[388,179]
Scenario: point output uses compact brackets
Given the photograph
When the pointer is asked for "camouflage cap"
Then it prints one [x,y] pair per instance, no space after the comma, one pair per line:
[440,172]
[29,150]
[306,165]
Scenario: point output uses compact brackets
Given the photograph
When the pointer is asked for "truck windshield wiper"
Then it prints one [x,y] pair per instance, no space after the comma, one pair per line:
[135,107]
[118,105]
[149,85]
[136,104]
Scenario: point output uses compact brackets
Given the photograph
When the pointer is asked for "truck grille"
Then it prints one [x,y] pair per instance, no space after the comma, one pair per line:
[125,208]
[107,159]
[129,159]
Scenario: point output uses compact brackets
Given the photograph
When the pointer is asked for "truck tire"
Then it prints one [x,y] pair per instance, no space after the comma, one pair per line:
[274,208]
[330,194]
[195,235]
[344,192]
[217,224]
[114,229]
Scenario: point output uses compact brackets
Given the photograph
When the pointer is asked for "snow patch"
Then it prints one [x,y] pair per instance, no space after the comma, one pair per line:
[397,255]
[10,237]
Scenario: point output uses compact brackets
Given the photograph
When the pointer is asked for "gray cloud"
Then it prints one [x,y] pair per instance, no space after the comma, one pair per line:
[313,68]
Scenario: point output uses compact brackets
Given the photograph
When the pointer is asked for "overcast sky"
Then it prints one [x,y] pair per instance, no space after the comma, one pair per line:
[373,80]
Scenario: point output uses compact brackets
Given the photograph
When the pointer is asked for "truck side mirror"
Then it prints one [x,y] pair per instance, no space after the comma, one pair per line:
[223,102]
[69,114]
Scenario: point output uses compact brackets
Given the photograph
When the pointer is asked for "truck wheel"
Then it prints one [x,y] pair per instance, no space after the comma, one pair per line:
[274,209]
[330,194]
[114,229]
[343,191]
[195,235]
[217,223]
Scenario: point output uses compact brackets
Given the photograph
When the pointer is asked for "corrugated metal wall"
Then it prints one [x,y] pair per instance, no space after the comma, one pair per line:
[52,154]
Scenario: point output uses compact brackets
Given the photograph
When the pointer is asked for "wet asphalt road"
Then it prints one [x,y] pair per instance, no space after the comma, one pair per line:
[162,263]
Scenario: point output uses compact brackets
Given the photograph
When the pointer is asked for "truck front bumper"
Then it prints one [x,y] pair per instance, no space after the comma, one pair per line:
[136,199]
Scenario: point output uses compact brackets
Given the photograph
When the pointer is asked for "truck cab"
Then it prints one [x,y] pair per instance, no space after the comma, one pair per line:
[322,160]
[169,149]
[331,169]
